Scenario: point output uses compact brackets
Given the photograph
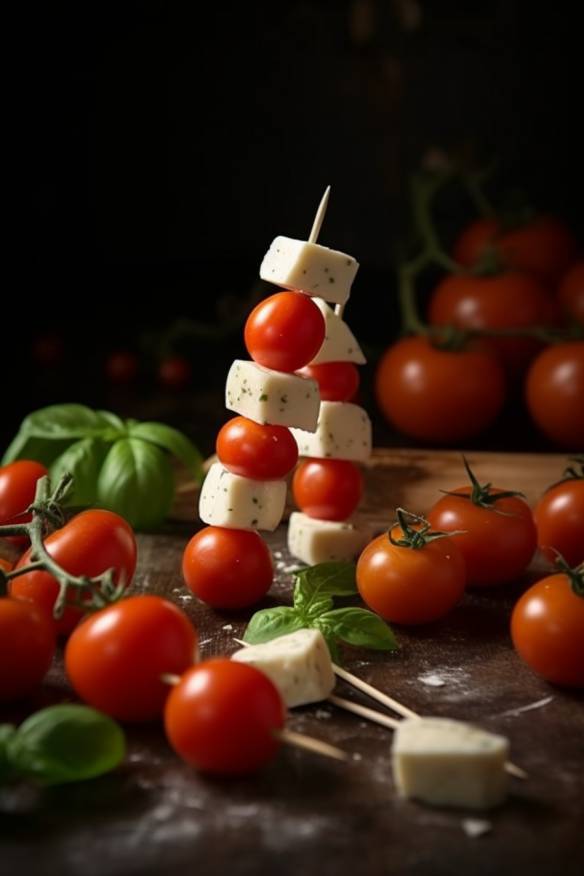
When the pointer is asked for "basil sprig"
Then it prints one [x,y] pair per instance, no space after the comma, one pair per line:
[314,592]
[118,464]
[61,744]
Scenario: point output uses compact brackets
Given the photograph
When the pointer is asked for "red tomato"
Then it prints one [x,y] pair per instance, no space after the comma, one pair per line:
[91,543]
[17,491]
[5,564]
[223,717]
[121,366]
[503,301]
[285,331]
[175,372]
[555,393]
[571,293]
[543,246]
[439,396]
[410,585]
[27,646]
[559,517]
[227,568]
[337,381]
[116,657]
[328,489]
[497,543]
[547,628]
[253,451]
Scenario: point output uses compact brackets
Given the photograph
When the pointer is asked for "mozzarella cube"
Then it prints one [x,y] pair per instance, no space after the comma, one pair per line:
[343,431]
[449,763]
[321,541]
[240,503]
[272,397]
[340,344]
[309,268]
[299,664]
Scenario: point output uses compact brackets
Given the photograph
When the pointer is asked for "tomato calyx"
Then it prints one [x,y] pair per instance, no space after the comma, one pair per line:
[575,575]
[412,537]
[574,472]
[483,495]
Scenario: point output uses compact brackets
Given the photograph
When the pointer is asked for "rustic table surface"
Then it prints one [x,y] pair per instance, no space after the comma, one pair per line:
[309,815]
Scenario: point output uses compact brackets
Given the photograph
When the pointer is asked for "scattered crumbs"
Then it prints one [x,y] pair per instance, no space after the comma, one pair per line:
[475,827]
[227,627]
[363,725]
[432,679]
[357,756]
[538,704]
[205,642]
[322,714]
[293,568]
[278,555]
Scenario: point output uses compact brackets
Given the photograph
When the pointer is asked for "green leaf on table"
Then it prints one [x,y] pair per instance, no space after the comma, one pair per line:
[66,743]
[68,421]
[83,459]
[270,623]
[137,482]
[172,440]
[317,584]
[358,627]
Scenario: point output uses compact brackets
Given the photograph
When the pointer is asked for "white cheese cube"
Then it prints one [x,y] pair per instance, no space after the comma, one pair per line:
[272,397]
[343,431]
[449,763]
[299,664]
[309,268]
[321,541]
[340,344]
[240,503]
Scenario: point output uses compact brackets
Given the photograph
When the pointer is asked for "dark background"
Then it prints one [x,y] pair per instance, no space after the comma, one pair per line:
[157,148]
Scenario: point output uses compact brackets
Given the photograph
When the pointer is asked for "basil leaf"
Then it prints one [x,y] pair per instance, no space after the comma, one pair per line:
[25,446]
[136,481]
[66,743]
[67,421]
[172,440]
[7,731]
[318,583]
[358,627]
[115,422]
[270,623]
[83,459]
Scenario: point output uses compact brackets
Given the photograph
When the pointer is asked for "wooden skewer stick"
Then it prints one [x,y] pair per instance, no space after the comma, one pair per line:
[319,218]
[374,693]
[299,740]
[364,712]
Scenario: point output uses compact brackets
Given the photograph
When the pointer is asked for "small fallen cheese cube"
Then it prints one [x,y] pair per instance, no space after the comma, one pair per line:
[340,344]
[321,541]
[240,503]
[309,268]
[272,397]
[299,664]
[343,431]
[449,763]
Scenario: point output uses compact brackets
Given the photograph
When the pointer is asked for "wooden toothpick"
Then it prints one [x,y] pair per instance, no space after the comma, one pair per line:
[319,218]
[374,693]
[364,712]
[317,746]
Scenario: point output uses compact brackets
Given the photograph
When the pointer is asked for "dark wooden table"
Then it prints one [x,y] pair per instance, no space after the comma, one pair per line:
[308,815]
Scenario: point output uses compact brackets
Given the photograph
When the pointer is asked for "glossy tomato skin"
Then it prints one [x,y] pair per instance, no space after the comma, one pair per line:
[17,491]
[227,568]
[547,628]
[571,293]
[328,489]
[559,518]
[115,658]
[337,381]
[223,717]
[497,543]
[439,396]
[254,451]
[502,301]
[89,544]
[555,393]
[544,246]
[285,331]
[407,586]
[27,646]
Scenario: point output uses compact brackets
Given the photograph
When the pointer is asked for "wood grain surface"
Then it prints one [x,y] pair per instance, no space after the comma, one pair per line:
[306,815]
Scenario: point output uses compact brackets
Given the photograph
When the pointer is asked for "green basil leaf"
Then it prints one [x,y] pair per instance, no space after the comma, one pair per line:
[137,482]
[83,459]
[358,627]
[172,440]
[317,583]
[115,422]
[66,743]
[25,446]
[270,623]
[7,731]
[67,421]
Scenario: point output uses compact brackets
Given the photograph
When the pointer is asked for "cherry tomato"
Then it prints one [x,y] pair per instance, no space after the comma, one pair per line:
[227,568]
[439,396]
[410,585]
[17,491]
[116,657]
[253,451]
[27,646]
[5,564]
[503,301]
[223,717]
[543,246]
[175,372]
[559,517]
[88,544]
[571,293]
[497,542]
[328,489]
[121,366]
[547,628]
[337,381]
[285,331]
[555,393]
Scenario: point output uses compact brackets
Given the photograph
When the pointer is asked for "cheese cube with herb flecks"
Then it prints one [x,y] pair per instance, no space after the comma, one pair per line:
[323,541]
[309,268]
[272,397]
[240,503]
[343,431]
[340,344]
